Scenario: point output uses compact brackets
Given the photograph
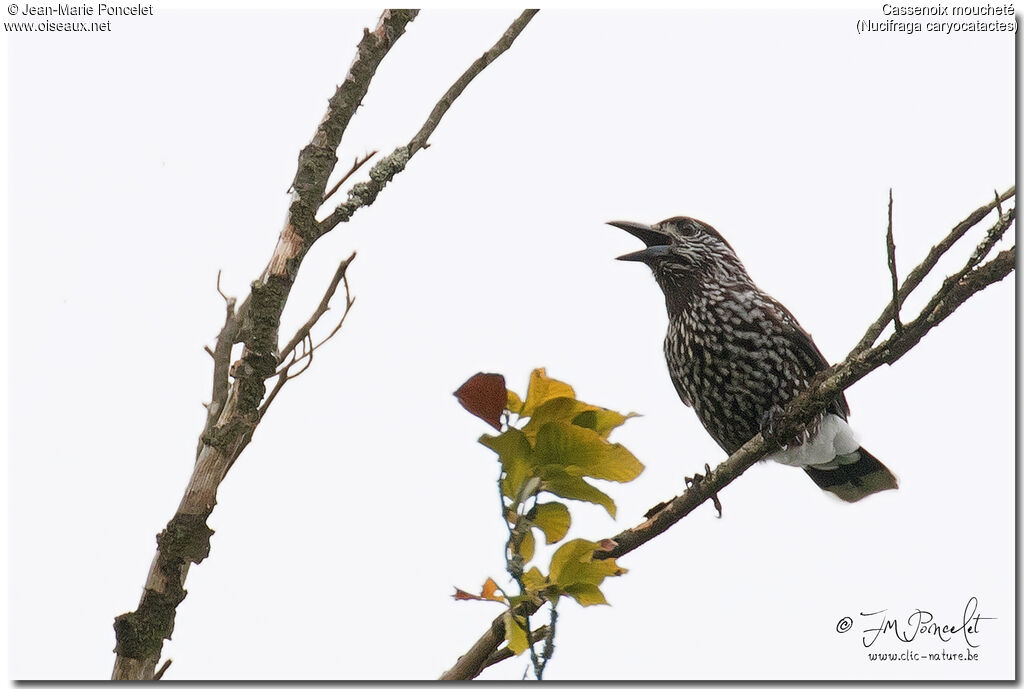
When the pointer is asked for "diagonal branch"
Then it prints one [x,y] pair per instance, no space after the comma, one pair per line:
[364,193]
[824,388]
[814,400]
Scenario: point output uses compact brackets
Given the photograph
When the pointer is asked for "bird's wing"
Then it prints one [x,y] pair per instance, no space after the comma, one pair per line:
[812,357]
[682,393]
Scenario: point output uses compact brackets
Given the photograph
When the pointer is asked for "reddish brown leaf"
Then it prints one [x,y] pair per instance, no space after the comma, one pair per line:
[484,395]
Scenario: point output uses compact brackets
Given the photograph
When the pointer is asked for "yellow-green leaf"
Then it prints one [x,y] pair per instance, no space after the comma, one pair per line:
[586,594]
[574,563]
[575,551]
[600,420]
[556,409]
[514,451]
[533,580]
[515,633]
[557,481]
[527,546]
[552,518]
[581,451]
[543,389]
[513,403]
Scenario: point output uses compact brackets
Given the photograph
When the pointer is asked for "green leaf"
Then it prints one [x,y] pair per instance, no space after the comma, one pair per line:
[557,481]
[515,452]
[515,633]
[543,389]
[552,518]
[586,594]
[581,451]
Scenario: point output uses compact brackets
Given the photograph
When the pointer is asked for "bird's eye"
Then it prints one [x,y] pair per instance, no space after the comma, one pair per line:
[688,229]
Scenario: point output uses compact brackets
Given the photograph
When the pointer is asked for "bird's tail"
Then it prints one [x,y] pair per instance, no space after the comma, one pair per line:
[860,475]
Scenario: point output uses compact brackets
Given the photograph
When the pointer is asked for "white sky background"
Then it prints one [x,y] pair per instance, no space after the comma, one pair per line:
[144,160]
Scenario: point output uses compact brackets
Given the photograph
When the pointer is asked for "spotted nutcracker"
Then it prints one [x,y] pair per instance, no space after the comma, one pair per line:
[737,356]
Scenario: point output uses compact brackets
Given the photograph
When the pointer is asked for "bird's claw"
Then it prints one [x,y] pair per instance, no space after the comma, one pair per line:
[696,480]
[768,422]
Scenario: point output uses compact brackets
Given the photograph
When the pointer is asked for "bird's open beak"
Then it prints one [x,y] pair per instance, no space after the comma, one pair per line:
[657,242]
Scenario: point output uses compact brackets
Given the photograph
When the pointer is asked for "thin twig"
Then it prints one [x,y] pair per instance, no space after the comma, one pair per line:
[230,300]
[325,304]
[890,250]
[359,162]
[914,278]
[160,673]
[349,303]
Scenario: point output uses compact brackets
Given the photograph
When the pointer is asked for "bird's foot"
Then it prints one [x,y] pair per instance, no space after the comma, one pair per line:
[696,479]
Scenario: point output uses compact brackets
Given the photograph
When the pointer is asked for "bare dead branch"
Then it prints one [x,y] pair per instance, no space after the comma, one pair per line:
[359,162]
[238,406]
[364,193]
[235,409]
[890,250]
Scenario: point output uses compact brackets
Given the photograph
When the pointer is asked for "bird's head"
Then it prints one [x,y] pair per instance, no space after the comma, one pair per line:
[681,251]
